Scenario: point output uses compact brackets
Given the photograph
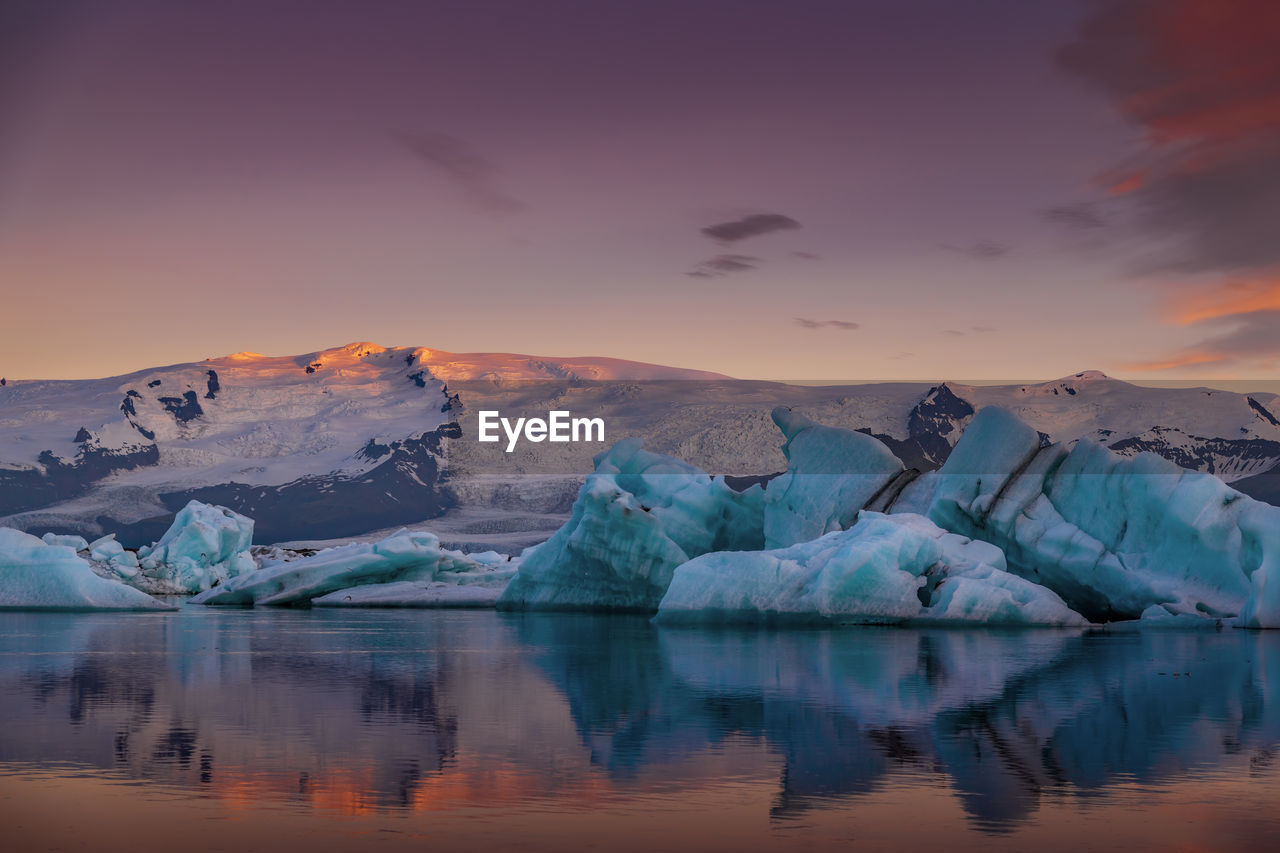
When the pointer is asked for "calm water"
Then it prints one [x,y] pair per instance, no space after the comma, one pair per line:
[330,730]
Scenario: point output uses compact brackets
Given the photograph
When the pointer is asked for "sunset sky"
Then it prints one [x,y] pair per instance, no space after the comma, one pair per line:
[801,190]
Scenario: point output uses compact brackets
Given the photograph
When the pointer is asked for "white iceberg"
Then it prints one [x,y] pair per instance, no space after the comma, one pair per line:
[75,543]
[1112,535]
[883,570]
[637,517]
[110,559]
[35,575]
[402,556]
[205,546]
[831,474]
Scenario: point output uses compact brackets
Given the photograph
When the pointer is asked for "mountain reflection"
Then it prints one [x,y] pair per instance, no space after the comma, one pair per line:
[388,711]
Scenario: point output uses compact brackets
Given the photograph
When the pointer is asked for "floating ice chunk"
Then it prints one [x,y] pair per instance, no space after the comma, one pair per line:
[637,517]
[76,543]
[884,569]
[435,593]
[991,596]
[104,548]
[110,559]
[831,474]
[35,575]
[402,556]
[206,545]
[1159,617]
[1112,535]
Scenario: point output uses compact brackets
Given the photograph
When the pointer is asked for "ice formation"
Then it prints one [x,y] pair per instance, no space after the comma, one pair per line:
[1011,530]
[205,546]
[433,593]
[402,556]
[831,474]
[36,575]
[637,517]
[111,558]
[1114,536]
[75,543]
[883,570]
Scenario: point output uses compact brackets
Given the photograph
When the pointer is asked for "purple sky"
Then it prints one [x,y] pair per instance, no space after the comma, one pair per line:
[803,190]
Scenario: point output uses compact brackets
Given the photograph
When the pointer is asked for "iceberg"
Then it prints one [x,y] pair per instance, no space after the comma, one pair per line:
[1010,531]
[205,546]
[1113,536]
[885,569]
[403,556]
[110,556]
[75,543]
[831,474]
[423,594]
[35,575]
[637,517]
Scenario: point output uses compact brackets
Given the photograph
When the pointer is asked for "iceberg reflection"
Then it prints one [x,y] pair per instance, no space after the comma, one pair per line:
[1005,717]
[408,711]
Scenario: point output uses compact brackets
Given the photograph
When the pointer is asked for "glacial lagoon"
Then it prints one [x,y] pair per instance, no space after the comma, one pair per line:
[274,729]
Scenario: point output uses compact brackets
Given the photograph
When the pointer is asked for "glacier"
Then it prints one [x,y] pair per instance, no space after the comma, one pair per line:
[637,517]
[36,575]
[203,547]
[885,569]
[401,557]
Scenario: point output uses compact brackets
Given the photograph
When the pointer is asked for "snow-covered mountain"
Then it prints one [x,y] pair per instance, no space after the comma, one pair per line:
[360,438]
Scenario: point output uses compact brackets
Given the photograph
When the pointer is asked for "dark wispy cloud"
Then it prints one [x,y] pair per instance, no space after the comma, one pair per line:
[982,250]
[806,256]
[955,333]
[747,227]
[467,169]
[1083,216]
[843,325]
[724,265]
[1201,80]
[982,330]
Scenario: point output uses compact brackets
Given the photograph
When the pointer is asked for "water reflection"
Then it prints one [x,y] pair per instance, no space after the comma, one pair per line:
[327,710]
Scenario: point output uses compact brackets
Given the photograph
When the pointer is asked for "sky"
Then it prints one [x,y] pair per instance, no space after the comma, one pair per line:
[806,190]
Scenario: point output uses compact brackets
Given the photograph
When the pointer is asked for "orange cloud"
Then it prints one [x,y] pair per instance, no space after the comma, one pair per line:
[1124,184]
[1200,79]
[1187,358]
[1228,298]
[1218,67]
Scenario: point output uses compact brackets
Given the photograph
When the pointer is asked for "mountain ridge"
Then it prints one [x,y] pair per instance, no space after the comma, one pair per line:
[344,440]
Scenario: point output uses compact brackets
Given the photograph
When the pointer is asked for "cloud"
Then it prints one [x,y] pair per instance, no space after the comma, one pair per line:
[982,250]
[722,265]
[749,226]
[983,330]
[1201,80]
[463,166]
[1081,216]
[955,333]
[1247,339]
[806,256]
[843,325]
